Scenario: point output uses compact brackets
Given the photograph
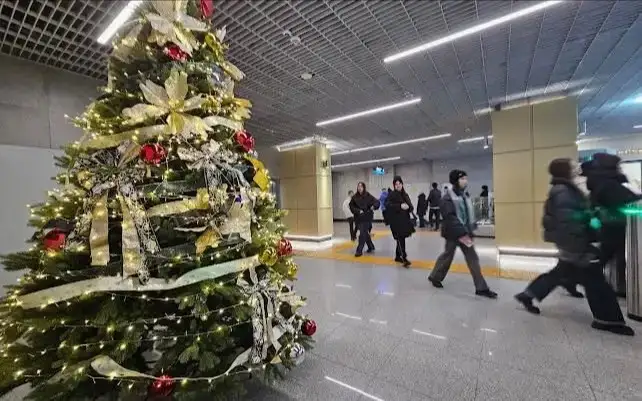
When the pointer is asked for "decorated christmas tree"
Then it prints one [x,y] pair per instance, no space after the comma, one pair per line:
[158,267]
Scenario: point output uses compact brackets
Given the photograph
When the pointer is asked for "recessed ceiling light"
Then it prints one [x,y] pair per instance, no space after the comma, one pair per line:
[369,112]
[387,159]
[120,19]
[472,30]
[306,76]
[387,145]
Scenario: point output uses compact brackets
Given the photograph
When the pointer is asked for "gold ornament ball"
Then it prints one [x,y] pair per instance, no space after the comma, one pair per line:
[269,257]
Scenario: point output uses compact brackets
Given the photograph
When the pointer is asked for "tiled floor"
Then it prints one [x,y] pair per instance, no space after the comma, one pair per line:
[385,334]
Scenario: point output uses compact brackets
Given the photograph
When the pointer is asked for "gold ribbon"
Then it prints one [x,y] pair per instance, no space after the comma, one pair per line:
[132,259]
[200,202]
[260,176]
[98,239]
[209,238]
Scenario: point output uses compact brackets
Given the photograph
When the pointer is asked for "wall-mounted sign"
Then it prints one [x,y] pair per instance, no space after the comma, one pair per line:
[378,171]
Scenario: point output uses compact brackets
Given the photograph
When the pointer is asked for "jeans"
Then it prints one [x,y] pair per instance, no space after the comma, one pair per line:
[364,237]
[400,249]
[353,229]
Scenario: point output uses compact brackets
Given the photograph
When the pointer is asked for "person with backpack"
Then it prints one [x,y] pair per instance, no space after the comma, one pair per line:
[363,206]
[567,223]
[434,200]
[458,228]
[399,209]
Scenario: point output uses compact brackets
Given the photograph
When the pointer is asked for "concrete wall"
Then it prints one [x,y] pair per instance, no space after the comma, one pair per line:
[33,104]
[35,100]
[417,177]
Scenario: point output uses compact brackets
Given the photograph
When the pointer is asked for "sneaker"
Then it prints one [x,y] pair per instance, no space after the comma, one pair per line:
[486,293]
[358,255]
[406,263]
[575,294]
[621,329]
[527,302]
[435,283]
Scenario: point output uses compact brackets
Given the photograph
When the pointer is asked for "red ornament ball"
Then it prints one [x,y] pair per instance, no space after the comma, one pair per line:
[207,8]
[54,239]
[152,153]
[284,248]
[162,386]
[309,327]
[245,140]
[175,53]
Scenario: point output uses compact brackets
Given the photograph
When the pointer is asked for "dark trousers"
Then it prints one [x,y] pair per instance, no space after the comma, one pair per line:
[472,260]
[353,229]
[400,249]
[422,220]
[434,217]
[601,297]
[613,247]
[364,236]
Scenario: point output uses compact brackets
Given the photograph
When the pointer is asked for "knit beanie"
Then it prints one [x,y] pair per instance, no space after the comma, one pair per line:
[397,179]
[455,175]
[560,168]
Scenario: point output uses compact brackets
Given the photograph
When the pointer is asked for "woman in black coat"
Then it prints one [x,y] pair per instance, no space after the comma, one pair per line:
[422,208]
[399,207]
[363,205]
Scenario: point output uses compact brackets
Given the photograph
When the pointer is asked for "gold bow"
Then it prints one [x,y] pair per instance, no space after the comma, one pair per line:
[260,174]
[170,23]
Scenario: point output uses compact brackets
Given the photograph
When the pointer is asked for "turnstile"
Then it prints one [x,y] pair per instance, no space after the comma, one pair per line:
[633,263]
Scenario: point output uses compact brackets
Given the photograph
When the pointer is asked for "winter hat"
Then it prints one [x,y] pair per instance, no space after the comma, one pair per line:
[455,175]
[560,168]
[606,161]
[586,168]
[397,179]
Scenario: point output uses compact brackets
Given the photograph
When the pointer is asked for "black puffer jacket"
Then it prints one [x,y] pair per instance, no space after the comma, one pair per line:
[457,214]
[422,204]
[363,206]
[566,222]
[400,223]
[609,194]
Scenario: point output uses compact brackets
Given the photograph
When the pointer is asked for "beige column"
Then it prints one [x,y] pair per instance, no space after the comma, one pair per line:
[525,140]
[306,192]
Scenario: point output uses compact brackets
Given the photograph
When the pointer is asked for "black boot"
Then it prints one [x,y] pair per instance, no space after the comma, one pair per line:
[486,293]
[621,329]
[435,283]
[527,302]
[406,263]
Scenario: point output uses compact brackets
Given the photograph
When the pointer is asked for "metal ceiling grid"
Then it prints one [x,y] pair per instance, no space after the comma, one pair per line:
[588,48]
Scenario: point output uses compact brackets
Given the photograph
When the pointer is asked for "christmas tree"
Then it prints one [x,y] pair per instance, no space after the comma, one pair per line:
[158,267]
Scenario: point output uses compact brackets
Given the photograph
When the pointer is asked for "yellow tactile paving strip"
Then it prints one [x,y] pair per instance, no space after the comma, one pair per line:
[335,253]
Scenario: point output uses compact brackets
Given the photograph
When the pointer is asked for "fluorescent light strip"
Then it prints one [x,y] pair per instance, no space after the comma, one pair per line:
[638,99]
[387,159]
[300,143]
[425,333]
[637,126]
[120,19]
[356,390]
[348,316]
[472,30]
[369,112]
[475,139]
[387,145]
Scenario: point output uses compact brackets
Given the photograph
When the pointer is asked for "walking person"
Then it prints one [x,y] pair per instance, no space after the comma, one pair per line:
[363,206]
[382,202]
[457,229]
[567,224]
[399,207]
[349,216]
[422,208]
[606,183]
[483,197]
[434,200]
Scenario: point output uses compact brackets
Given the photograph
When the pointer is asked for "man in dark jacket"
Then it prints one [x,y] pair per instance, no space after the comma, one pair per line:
[605,182]
[363,206]
[434,200]
[458,228]
[567,224]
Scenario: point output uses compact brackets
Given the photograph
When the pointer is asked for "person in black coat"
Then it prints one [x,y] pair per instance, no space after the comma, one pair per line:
[363,205]
[606,182]
[399,207]
[458,228]
[434,201]
[567,224]
[422,208]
